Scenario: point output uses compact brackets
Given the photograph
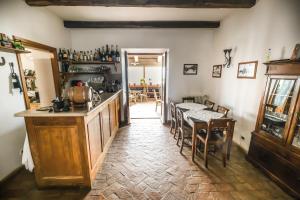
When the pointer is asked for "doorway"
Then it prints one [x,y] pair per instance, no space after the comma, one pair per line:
[144,84]
[39,74]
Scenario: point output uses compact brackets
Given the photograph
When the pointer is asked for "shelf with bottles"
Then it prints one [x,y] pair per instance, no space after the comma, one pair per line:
[9,45]
[108,55]
[12,50]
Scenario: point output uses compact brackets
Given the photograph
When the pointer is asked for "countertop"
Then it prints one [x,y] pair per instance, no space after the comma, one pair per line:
[74,112]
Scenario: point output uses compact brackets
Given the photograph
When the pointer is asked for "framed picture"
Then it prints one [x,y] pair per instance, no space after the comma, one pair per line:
[217,71]
[247,70]
[190,69]
[296,53]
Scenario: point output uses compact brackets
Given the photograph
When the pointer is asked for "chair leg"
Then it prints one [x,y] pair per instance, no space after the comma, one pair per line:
[171,126]
[156,107]
[178,138]
[182,143]
[229,148]
[205,155]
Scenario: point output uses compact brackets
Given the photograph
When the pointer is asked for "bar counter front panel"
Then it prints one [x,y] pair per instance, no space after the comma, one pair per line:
[68,148]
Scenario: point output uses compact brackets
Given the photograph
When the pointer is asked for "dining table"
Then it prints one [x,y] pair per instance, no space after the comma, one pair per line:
[198,116]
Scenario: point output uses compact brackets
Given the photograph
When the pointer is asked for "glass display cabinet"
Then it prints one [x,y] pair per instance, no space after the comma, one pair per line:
[275,142]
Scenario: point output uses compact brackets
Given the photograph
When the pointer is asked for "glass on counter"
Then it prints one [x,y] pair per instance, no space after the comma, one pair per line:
[277,105]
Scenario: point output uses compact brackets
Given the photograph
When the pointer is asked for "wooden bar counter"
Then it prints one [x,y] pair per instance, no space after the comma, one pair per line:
[69,147]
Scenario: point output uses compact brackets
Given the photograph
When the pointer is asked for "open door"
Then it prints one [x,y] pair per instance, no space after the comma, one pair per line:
[126,91]
[164,107]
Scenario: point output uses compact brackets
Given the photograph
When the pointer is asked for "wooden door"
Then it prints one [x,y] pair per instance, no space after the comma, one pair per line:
[163,89]
[95,141]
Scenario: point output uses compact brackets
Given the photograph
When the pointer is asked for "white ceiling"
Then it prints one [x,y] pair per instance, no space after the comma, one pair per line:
[98,13]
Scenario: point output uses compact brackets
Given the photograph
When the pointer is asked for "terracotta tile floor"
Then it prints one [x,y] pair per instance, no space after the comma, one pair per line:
[144,163]
[144,110]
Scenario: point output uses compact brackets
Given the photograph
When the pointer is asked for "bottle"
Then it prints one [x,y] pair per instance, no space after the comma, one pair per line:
[84,56]
[103,54]
[118,57]
[70,55]
[80,56]
[109,55]
[95,55]
[60,54]
[113,53]
[91,55]
[75,57]
[65,54]
[268,56]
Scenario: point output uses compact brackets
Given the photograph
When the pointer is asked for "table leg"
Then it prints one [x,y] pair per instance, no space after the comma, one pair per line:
[194,143]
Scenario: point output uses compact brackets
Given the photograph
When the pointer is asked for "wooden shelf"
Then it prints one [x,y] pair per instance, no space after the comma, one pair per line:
[75,73]
[12,50]
[284,61]
[89,62]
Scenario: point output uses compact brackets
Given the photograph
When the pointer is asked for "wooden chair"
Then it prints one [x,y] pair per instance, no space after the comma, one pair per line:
[133,96]
[209,137]
[144,94]
[210,105]
[188,99]
[221,109]
[184,130]
[157,99]
[173,118]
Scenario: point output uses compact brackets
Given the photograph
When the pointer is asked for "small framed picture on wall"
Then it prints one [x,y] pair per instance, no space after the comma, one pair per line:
[217,71]
[247,70]
[190,69]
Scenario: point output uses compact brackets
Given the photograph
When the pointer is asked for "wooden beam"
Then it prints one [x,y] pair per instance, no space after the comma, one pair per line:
[141,24]
[148,3]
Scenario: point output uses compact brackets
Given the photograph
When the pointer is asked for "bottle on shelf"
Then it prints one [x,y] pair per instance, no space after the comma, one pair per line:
[60,54]
[113,53]
[70,54]
[109,55]
[65,54]
[91,55]
[103,54]
[80,56]
[75,57]
[118,57]
[84,56]
[95,57]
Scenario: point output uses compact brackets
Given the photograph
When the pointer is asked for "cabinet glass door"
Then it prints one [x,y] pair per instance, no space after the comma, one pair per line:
[296,138]
[277,105]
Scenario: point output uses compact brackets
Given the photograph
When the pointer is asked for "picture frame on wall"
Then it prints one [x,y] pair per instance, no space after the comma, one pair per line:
[247,70]
[190,69]
[217,71]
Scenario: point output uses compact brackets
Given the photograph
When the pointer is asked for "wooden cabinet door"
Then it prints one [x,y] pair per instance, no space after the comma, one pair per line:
[94,138]
[113,117]
[105,125]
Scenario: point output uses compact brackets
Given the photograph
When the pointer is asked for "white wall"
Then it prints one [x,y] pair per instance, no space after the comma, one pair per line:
[250,33]
[36,24]
[185,45]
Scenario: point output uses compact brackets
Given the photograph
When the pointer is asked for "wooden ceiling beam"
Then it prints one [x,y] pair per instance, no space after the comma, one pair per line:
[148,3]
[141,24]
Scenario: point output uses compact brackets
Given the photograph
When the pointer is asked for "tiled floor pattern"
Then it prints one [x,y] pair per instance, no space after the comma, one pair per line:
[144,163]
[144,110]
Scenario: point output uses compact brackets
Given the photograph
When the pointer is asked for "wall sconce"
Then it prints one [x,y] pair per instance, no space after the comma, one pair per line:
[227,58]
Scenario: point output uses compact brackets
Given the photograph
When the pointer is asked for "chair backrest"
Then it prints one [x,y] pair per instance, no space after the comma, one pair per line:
[221,109]
[145,88]
[188,99]
[224,124]
[173,110]
[179,118]
[155,95]
[209,104]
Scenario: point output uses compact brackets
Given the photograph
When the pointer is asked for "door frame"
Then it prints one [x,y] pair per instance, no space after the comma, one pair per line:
[54,63]
[165,53]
